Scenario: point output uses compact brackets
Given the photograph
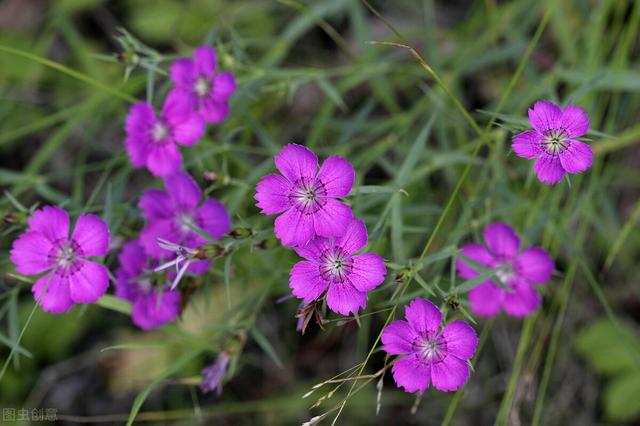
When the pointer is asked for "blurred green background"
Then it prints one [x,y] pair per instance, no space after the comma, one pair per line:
[307,74]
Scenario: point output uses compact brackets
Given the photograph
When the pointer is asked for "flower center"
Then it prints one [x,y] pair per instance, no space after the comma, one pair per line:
[431,348]
[202,86]
[187,222]
[505,272]
[66,255]
[335,265]
[555,142]
[159,132]
[308,196]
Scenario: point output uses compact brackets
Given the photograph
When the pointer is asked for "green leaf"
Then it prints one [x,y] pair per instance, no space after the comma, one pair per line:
[600,344]
[115,304]
[621,398]
[263,342]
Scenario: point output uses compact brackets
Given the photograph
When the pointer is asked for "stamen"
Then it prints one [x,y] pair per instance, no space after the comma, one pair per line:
[159,132]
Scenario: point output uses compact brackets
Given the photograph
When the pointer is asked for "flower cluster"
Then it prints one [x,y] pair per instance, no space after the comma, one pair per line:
[321,229]
[312,219]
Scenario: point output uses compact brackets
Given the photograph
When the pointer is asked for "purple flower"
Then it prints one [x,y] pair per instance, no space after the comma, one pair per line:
[333,266]
[213,375]
[553,141]
[208,91]
[151,141]
[69,277]
[153,305]
[305,197]
[432,356]
[516,270]
[174,213]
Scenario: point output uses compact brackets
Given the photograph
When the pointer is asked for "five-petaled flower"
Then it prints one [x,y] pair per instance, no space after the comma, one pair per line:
[151,140]
[207,90]
[154,304]
[175,214]
[433,356]
[553,141]
[331,265]
[306,197]
[517,271]
[69,277]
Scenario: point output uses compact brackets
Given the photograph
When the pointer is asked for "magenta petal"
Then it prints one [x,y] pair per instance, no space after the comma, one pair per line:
[337,176]
[190,130]
[132,258]
[296,162]
[574,121]
[30,253]
[155,204]
[424,317]
[224,84]
[213,111]
[140,119]
[398,337]
[449,374]
[354,238]
[272,194]
[89,282]
[204,59]
[485,299]
[56,298]
[183,190]
[125,285]
[461,339]
[535,265]
[479,254]
[411,373]
[156,309]
[199,267]
[314,249]
[549,169]
[294,228]
[212,217]
[527,144]
[545,116]
[183,74]
[522,300]
[501,239]
[368,271]
[332,219]
[577,158]
[164,159]
[305,281]
[344,298]
[137,149]
[149,235]
[91,234]
[52,222]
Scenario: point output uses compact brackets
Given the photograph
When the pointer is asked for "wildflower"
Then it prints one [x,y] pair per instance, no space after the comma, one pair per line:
[151,140]
[208,91]
[517,271]
[70,277]
[332,266]
[153,304]
[432,356]
[175,214]
[213,375]
[552,141]
[305,197]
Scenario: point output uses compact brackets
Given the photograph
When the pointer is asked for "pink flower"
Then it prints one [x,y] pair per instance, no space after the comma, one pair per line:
[208,91]
[552,141]
[213,375]
[151,141]
[331,265]
[432,356]
[69,277]
[173,214]
[516,270]
[153,305]
[306,198]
